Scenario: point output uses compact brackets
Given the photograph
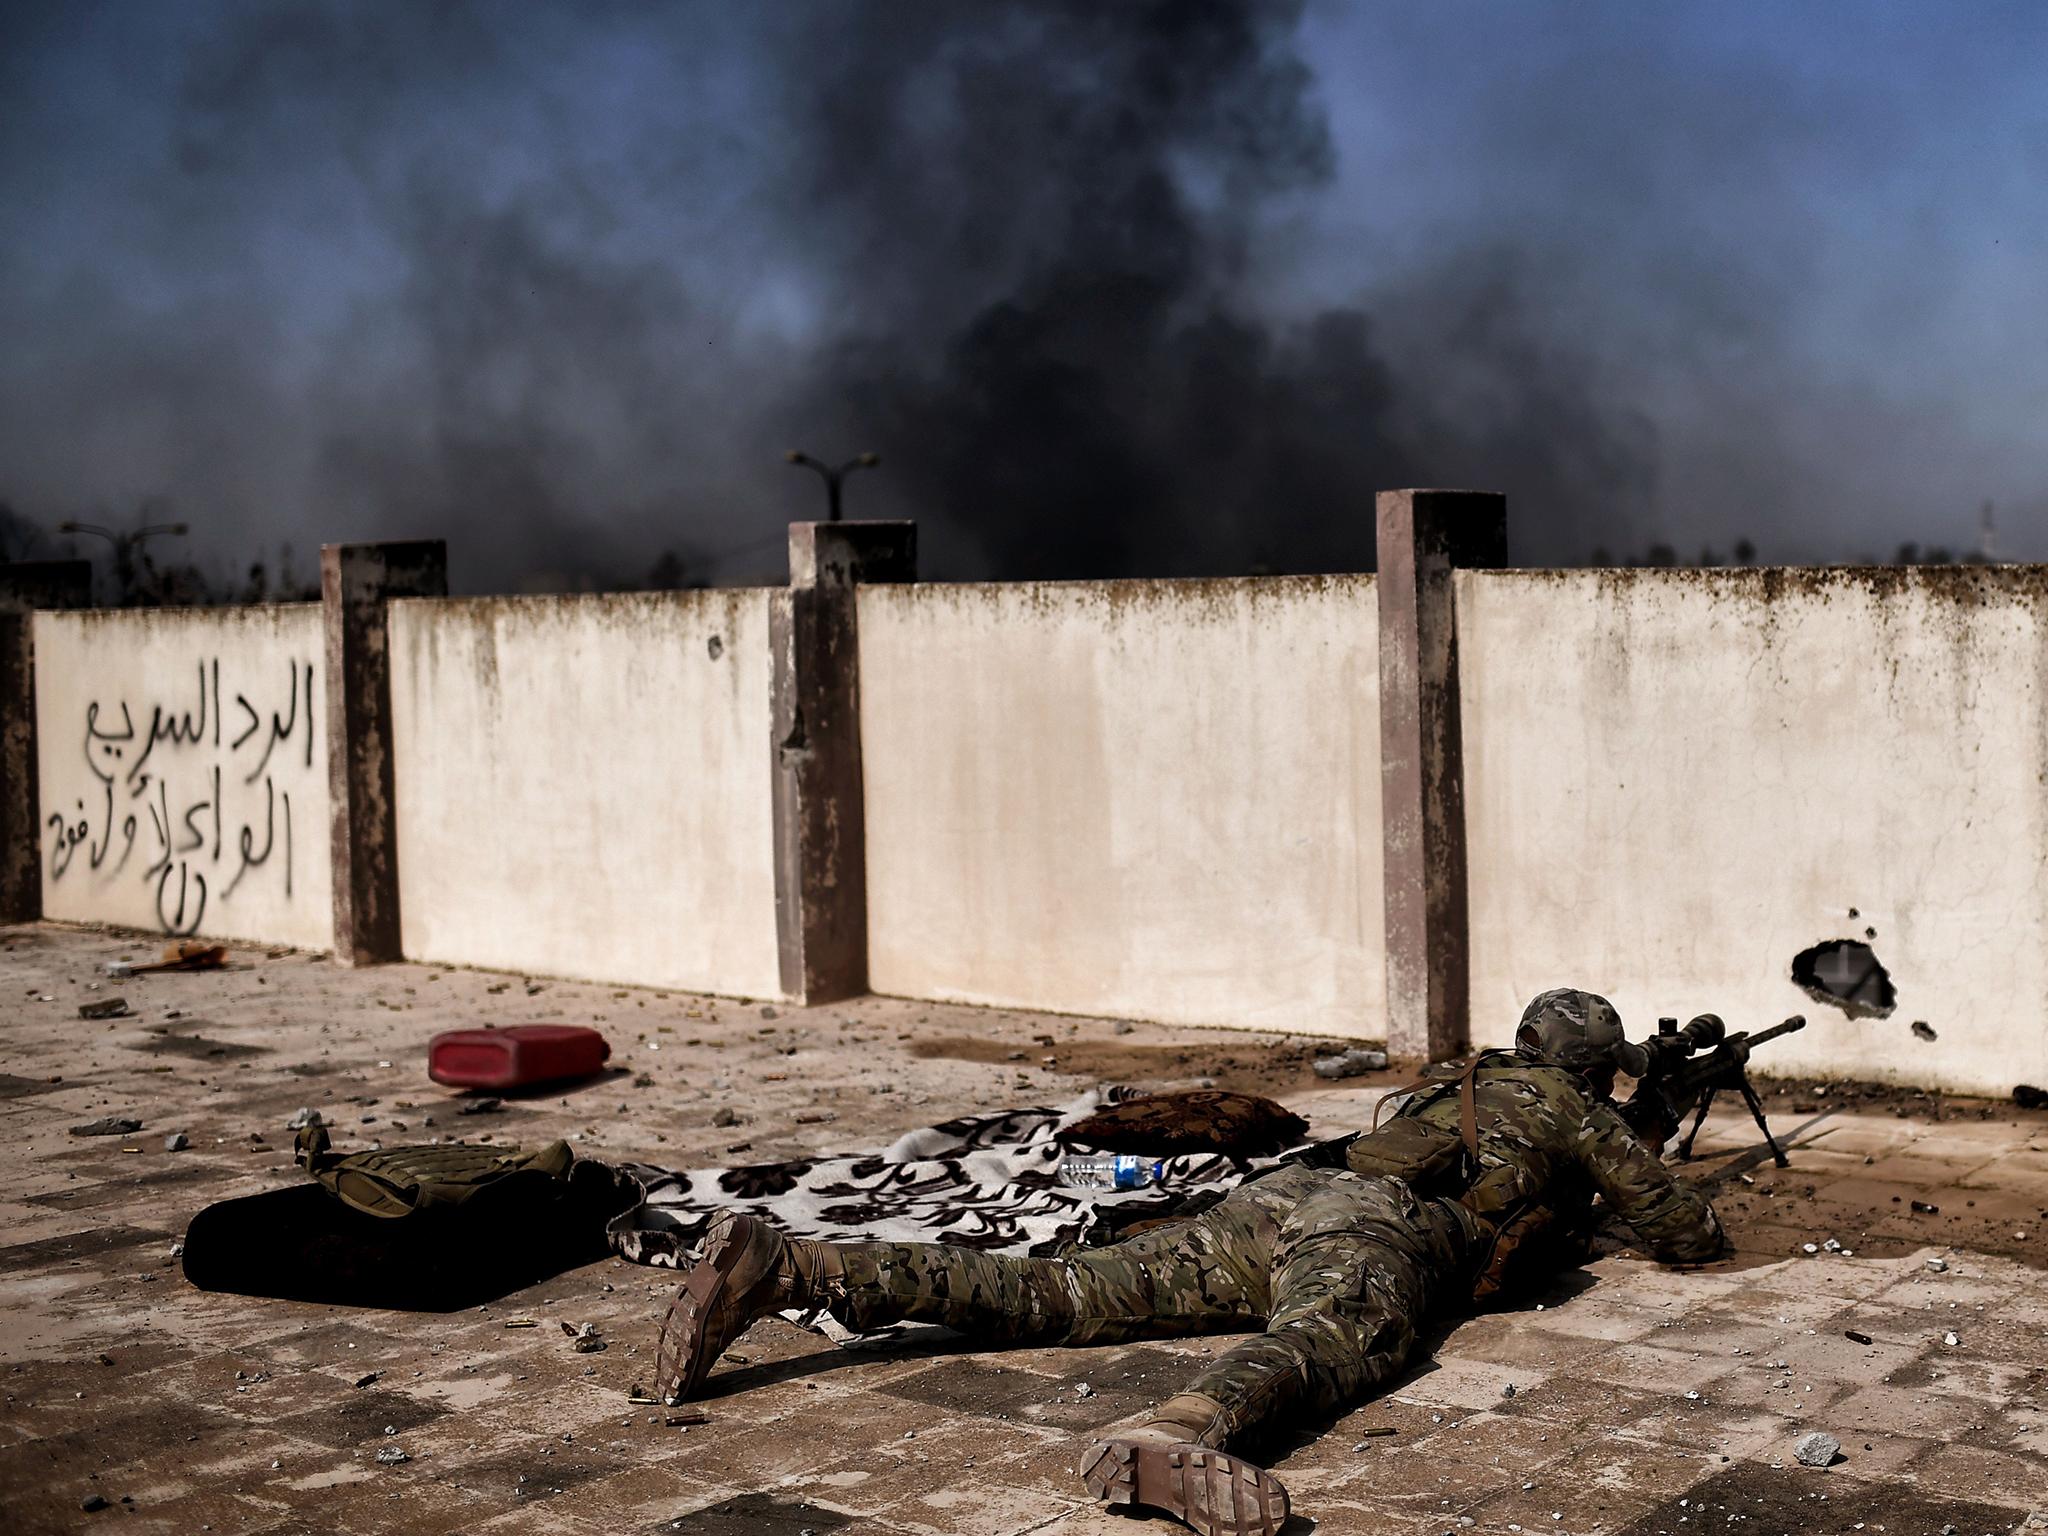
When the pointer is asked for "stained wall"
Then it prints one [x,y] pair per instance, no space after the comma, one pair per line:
[1153,798]
[583,786]
[182,755]
[1676,781]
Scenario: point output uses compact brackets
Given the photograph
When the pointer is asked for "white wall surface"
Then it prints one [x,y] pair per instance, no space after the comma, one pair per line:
[583,786]
[1152,799]
[182,760]
[1677,780]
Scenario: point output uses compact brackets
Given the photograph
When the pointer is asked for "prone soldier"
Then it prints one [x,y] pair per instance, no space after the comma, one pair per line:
[1333,1268]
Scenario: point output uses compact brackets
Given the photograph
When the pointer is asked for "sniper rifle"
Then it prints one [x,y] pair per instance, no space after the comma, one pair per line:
[1689,1066]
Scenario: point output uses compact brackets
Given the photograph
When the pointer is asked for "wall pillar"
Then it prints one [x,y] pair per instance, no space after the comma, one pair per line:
[357,581]
[1423,537]
[24,588]
[821,906]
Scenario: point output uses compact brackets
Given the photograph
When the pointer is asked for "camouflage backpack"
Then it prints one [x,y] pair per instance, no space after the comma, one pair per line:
[399,1181]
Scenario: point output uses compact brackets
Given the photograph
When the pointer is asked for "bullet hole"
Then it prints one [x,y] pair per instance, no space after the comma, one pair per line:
[716,647]
[1922,1030]
[1846,973]
[1870,933]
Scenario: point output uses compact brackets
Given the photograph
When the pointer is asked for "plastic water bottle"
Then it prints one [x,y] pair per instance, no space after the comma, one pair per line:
[1120,1172]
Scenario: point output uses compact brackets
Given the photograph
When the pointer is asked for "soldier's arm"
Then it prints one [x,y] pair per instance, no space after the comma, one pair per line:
[1674,1220]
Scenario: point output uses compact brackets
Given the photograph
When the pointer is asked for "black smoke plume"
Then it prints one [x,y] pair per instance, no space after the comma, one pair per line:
[561,283]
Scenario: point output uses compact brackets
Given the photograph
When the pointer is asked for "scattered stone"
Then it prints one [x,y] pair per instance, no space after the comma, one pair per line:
[1084,1390]
[92,1503]
[481,1107]
[106,1008]
[1809,1247]
[304,1118]
[724,1116]
[177,1250]
[391,1456]
[584,1338]
[768,1013]
[110,1125]
[642,1080]
[1508,1390]
[1939,1266]
[1951,1339]
[177,1141]
[1817,1450]
[1351,1063]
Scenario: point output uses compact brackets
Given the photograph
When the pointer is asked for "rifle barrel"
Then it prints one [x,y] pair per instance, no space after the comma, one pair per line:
[1796,1022]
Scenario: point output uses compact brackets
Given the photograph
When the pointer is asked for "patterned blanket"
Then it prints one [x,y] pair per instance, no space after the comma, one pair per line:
[989,1181]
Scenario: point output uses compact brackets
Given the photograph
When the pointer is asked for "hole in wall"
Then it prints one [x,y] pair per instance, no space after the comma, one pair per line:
[1846,973]
[1922,1030]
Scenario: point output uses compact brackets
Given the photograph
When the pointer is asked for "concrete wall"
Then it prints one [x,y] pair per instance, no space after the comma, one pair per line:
[583,786]
[1677,780]
[182,755]
[1159,799]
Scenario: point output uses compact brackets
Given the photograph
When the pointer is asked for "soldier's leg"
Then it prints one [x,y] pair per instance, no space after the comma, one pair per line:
[1208,1274]
[1203,1275]
[1357,1264]
[1355,1260]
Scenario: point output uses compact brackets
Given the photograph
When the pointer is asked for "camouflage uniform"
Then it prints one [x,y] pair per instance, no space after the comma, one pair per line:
[1547,1143]
[1336,1267]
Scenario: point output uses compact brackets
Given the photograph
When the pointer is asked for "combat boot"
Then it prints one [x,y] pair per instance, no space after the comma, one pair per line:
[1163,1462]
[745,1270]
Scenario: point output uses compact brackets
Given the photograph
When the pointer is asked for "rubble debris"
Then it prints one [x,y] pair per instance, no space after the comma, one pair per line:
[177,1141]
[391,1456]
[584,1338]
[92,1503]
[481,1107]
[108,1125]
[1818,1449]
[304,1118]
[724,1116]
[2027,1096]
[1846,973]
[1239,1125]
[106,1008]
[1951,1339]
[1939,1266]
[1352,1063]
[768,1013]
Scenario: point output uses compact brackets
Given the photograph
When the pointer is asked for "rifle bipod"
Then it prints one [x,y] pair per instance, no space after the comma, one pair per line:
[1756,1110]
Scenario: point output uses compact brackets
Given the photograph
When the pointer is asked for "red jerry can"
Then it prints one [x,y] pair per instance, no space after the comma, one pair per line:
[515,1057]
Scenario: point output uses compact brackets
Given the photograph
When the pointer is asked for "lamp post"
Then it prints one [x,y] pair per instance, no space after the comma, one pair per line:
[834,478]
[126,543]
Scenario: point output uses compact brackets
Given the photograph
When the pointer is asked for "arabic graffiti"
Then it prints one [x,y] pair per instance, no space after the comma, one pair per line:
[195,794]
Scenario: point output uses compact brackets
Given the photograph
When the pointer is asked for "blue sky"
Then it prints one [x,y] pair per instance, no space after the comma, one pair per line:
[559,278]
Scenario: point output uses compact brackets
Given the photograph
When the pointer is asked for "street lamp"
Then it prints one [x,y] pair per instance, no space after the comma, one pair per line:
[834,478]
[126,542]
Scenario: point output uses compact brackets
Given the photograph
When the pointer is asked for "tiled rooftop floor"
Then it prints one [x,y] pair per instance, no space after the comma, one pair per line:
[1645,1401]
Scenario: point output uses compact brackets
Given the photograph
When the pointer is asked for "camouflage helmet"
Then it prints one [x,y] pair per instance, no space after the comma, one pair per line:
[1579,1030]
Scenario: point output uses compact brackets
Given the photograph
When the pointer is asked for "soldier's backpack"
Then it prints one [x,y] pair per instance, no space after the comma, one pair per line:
[400,1181]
